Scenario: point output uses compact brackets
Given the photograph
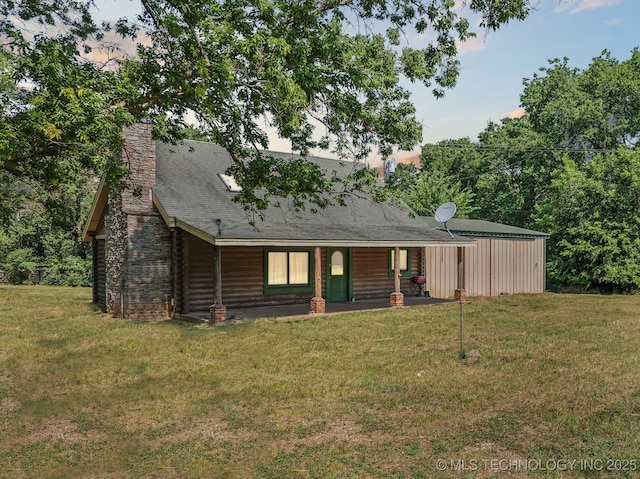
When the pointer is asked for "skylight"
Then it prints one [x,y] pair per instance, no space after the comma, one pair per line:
[230,183]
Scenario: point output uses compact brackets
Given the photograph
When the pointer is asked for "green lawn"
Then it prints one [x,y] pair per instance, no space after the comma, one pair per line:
[556,392]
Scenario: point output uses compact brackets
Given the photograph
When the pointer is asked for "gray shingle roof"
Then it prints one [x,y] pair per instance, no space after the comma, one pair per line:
[465,227]
[191,195]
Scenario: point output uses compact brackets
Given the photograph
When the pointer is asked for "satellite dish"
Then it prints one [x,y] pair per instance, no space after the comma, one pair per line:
[444,213]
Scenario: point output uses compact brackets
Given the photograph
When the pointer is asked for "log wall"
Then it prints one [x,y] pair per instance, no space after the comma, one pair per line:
[243,275]
[99,274]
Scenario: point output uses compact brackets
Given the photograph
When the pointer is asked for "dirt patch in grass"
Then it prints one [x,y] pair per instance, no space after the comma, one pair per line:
[204,429]
[9,404]
[60,430]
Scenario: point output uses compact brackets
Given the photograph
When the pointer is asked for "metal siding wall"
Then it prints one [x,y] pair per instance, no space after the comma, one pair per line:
[502,266]
[495,266]
[478,268]
[522,268]
[442,273]
[541,265]
[530,267]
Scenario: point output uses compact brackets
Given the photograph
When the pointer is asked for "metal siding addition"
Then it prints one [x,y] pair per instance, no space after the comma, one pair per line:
[495,266]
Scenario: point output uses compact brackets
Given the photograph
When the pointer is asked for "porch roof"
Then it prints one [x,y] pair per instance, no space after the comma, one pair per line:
[190,195]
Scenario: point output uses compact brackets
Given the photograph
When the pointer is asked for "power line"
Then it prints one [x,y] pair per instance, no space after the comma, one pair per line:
[541,149]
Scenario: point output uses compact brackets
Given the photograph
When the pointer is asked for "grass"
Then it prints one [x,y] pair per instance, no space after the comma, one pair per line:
[359,395]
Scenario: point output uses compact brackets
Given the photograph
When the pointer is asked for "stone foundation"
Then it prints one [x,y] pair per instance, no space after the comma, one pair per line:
[397,300]
[317,305]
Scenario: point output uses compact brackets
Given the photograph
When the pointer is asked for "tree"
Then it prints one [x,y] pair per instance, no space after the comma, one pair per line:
[598,108]
[74,15]
[459,160]
[568,167]
[431,190]
[60,115]
[424,190]
[591,119]
[240,68]
[592,216]
[322,73]
[46,232]
[515,172]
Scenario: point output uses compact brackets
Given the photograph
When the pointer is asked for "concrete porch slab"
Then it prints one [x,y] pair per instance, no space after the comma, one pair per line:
[235,315]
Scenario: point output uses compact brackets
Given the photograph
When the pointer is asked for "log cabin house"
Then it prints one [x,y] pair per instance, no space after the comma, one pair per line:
[174,242]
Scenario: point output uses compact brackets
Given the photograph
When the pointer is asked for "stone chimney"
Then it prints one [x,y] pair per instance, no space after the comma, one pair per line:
[138,242]
[139,155]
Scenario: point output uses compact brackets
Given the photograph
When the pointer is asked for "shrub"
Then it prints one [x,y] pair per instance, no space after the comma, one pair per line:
[69,271]
[19,265]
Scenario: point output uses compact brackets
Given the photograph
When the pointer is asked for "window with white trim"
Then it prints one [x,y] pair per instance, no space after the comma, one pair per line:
[287,270]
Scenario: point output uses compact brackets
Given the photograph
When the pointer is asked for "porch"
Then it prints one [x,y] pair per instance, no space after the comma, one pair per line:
[235,315]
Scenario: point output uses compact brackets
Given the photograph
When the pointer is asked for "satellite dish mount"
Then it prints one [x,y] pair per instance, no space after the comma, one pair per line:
[444,213]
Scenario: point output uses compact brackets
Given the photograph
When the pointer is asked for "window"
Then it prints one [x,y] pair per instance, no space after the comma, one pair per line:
[405,261]
[337,263]
[287,270]
[230,183]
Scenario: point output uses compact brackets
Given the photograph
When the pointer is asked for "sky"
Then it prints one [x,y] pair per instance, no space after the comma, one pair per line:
[493,68]
[493,65]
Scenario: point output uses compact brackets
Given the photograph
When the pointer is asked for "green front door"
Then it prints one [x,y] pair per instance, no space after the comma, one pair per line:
[338,274]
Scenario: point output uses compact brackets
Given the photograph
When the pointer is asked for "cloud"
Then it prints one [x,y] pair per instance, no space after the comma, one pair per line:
[520,112]
[113,47]
[471,45]
[477,42]
[575,6]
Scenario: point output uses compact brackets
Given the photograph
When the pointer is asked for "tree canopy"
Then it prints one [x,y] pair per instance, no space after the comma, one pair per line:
[61,114]
[592,216]
[321,73]
[596,108]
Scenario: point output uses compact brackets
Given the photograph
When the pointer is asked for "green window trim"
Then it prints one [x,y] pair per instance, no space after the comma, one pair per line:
[287,288]
[405,273]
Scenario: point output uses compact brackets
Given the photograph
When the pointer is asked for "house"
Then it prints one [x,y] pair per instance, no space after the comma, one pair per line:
[506,260]
[174,242]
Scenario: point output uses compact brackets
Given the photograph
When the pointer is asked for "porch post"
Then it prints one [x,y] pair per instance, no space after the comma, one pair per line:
[318,303]
[218,312]
[173,304]
[397,298]
[460,293]
[425,272]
